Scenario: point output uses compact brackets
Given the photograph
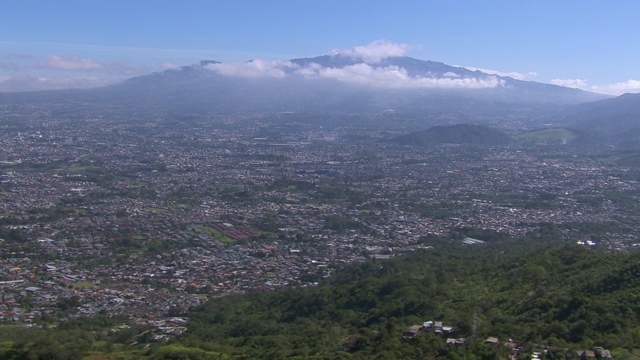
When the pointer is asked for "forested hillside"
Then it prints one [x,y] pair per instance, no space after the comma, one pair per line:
[557,298]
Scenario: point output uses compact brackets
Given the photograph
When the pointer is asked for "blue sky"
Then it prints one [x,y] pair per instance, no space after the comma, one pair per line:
[56,44]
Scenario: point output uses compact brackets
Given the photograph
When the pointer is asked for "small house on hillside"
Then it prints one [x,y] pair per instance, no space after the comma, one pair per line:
[412,331]
[472,241]
[492,340]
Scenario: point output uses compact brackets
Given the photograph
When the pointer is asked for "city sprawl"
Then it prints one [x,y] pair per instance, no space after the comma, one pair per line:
[147,216]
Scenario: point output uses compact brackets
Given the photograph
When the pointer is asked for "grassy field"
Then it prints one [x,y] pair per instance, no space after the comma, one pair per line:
[214,233]
[548,136]
[78,167]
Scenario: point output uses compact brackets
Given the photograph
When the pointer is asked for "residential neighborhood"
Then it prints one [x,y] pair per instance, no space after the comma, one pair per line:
[148,219]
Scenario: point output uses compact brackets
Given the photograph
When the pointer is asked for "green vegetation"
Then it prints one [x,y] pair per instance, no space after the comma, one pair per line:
[548,136]
[625,199]
[341,224]
[216,234]
[79,167]
[563,297]
[181,352]
[631,160]
[455,134]
[533,290]
[226,187]
[74,339]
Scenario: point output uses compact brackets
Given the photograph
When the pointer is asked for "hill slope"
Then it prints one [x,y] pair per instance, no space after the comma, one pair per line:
[325,84]
[610,116]
[563,297]
[543,296]
[506,89]
[455,134]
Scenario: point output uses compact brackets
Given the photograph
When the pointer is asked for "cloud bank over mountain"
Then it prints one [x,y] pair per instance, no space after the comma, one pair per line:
[513,74]
[370,71]
[367,65]
[619,88]
[254,68]
[375,51]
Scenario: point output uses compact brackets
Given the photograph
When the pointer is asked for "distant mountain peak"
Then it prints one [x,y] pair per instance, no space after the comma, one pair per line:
[345,84]
[204,63]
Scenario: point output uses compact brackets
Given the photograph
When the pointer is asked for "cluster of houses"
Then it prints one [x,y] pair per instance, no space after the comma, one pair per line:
[105,212]
[438,328]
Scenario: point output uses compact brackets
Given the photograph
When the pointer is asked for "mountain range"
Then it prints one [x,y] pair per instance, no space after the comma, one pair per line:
[609,116]
[343,84]
[339,84]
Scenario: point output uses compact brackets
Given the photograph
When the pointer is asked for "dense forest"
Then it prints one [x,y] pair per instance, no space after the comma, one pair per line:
[552,298]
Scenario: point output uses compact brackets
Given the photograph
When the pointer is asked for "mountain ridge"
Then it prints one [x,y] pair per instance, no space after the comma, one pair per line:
[437,92]
[624,108]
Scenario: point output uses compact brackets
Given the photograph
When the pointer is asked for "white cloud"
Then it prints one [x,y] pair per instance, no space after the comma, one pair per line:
[76,63]
[571,83]
[375,51]
[72,63]
[619,88]
[310,70]
[361,73]
[629,86]
[514,74]
[254,68]
[395,77]
[365,73]
[169,65]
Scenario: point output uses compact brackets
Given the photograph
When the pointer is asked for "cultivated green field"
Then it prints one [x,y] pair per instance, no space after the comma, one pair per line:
[548,136]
